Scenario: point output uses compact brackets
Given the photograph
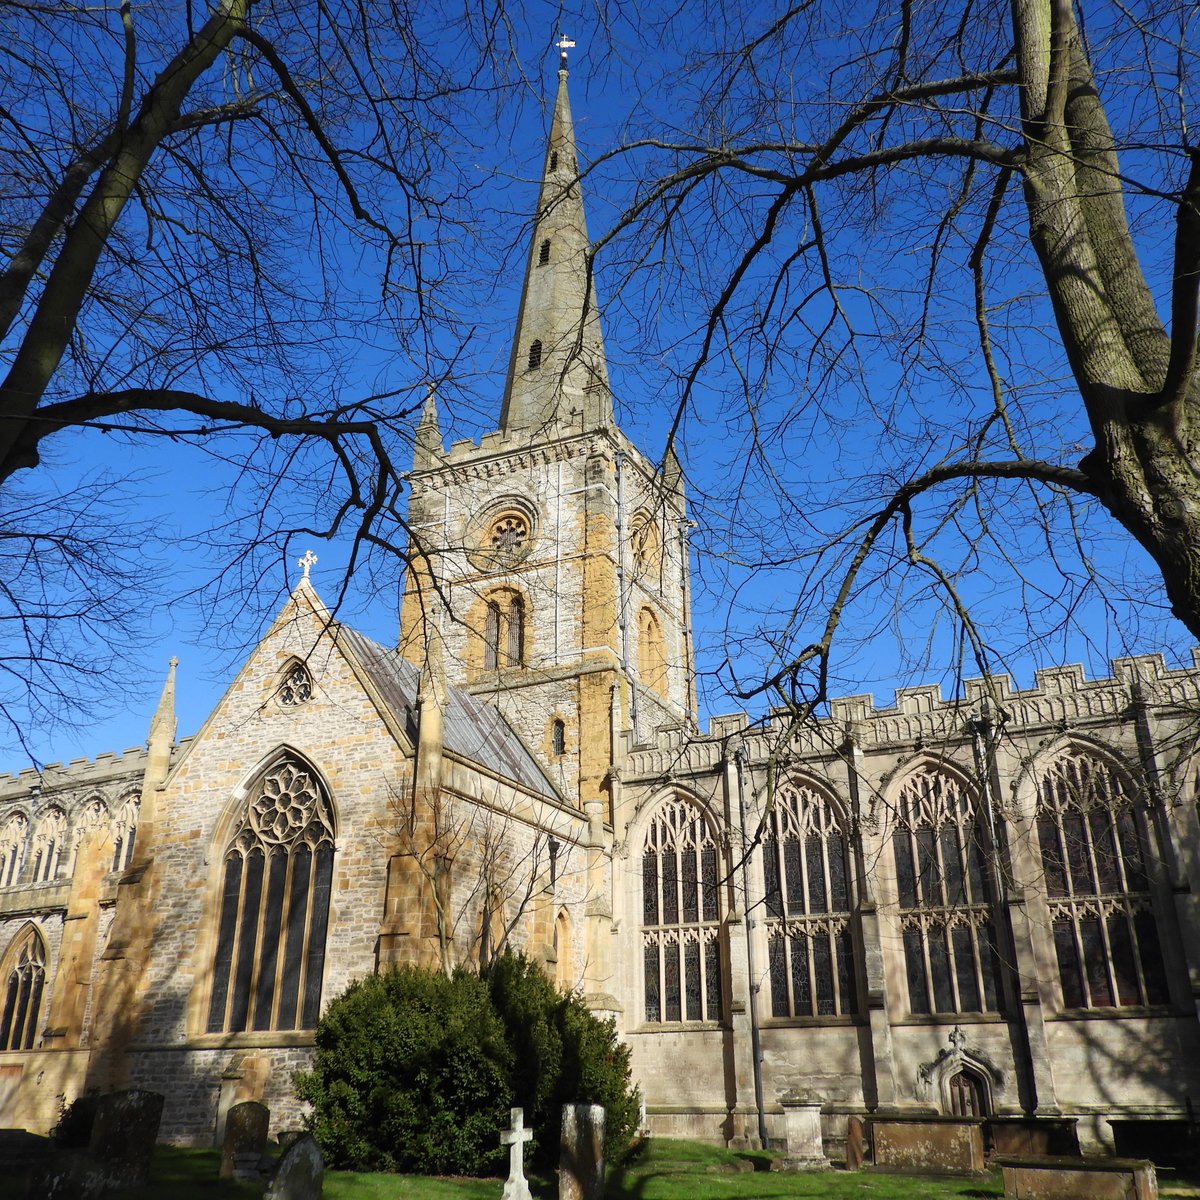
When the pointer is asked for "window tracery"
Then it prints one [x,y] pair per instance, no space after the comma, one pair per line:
[297,686]
[1095,847]
[24,985]
[13,839]
[48,845]
[950,951]
[274,907]
[124,834]
[807,876]
[681,953]
[647,547]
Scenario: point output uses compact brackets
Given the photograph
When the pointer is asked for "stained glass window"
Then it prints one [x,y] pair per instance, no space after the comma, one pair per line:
[274,911]
[12,848]
[680,926]
[23,990]
[1096,844]
[952,963]
[809,939]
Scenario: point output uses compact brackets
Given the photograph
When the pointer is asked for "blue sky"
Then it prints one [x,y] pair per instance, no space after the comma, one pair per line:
[779,461]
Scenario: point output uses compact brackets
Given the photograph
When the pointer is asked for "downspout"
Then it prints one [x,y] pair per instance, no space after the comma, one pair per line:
[685,591]
[755,1037]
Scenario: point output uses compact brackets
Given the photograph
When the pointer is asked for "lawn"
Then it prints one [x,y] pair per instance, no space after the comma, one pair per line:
[665,1170]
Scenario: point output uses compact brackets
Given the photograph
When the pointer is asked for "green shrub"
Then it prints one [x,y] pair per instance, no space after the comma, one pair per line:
[411,1073]
[416,1070]
[563,1055]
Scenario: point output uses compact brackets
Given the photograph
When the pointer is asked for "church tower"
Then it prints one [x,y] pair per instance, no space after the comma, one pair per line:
[550,560]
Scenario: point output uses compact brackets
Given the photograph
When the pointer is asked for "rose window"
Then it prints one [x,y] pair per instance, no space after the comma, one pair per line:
[509,532]
[285,805]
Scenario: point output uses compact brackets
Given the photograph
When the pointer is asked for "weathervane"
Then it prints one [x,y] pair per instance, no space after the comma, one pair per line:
[564,44]
[307,562]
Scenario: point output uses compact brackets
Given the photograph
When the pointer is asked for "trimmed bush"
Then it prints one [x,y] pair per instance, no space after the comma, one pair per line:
[563,1055]
[411,1074]
[416,1071]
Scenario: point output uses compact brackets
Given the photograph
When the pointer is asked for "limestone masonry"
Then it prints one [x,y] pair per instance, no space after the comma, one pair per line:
[984,906]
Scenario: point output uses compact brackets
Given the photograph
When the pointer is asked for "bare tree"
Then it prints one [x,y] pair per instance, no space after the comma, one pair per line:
[947,260]
[214,220]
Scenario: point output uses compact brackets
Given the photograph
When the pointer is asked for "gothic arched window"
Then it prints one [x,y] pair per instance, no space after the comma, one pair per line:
[24,982]
[124,833]
[652,664]
[1096,843]
[558,738]
[48,845]
[950,953]
[274,910]
[12,848]
[504,631]
[807,874]
[647,547]
[681,953]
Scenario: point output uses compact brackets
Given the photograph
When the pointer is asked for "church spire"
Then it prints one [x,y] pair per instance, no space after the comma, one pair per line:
[428,447]
[557,377]
[162,731]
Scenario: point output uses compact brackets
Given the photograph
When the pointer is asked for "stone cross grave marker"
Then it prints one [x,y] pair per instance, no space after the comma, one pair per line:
[515,1137]
[581,1156]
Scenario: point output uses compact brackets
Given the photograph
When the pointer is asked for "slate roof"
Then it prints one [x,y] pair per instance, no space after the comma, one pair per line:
[472,729]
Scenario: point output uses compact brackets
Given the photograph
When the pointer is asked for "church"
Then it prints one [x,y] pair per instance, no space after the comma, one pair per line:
[985,905]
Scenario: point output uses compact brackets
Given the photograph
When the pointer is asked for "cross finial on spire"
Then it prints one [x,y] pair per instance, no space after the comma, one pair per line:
[307,562]
[564,44]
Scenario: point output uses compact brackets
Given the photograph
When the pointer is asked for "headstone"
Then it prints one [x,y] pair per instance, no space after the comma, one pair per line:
[802,1124]
[581,1158]
[124,1134]
[515,1137]
[856,1150]
[246,1126]
[300,1174]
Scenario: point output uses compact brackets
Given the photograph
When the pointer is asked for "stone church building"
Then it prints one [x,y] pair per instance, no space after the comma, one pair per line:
[983,905]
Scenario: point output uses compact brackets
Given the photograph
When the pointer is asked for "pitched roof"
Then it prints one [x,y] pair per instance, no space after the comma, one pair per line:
[472,730]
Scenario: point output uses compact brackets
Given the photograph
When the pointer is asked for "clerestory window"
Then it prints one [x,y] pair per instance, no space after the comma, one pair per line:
[274,908]
[504,632]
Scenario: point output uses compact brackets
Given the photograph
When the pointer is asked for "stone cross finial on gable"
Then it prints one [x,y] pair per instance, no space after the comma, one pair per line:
[307,562]
[958,1039]
[515,1137]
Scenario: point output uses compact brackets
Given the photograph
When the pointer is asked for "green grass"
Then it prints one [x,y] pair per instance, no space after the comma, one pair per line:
[664,1170]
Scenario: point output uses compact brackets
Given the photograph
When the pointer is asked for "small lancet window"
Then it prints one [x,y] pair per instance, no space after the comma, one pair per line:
[535,355]
[297,687]
[544,253]
[558,739]
[554,160]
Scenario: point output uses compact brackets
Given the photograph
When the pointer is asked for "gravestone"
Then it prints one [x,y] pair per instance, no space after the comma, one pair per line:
[246,1126]
[118,1154]
[124,1134]
[1071,1178]
[515,1137]
[581,1157]
[856,1149]
[300,1174]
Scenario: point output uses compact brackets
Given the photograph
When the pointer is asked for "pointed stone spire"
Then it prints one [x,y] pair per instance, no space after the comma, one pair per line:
[427,443]
[557,377]
[672,471]
[162,732]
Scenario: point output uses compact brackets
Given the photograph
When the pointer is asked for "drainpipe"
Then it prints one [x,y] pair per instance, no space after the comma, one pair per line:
[623,595]
[755,1039]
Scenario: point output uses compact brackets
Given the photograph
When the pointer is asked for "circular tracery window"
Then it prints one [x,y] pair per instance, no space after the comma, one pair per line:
[509,532]
[285,804]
